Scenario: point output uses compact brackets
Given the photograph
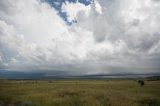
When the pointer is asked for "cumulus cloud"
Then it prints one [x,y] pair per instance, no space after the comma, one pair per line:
[73,9]
[109,36]
[98,7]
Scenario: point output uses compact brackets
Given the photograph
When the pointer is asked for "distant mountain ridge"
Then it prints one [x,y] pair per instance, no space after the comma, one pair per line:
[63,75]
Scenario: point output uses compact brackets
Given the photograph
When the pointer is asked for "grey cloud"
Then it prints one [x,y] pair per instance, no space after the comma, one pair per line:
[5,8]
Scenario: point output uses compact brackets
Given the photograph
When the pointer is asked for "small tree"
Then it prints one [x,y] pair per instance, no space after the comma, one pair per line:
[141,82]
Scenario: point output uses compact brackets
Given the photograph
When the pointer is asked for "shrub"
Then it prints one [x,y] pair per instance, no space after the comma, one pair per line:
[141,82]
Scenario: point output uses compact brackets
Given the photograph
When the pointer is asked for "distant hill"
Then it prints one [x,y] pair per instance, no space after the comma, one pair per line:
[63,75]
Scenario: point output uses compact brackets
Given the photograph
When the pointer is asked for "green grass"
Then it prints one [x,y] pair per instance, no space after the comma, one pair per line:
[79,93]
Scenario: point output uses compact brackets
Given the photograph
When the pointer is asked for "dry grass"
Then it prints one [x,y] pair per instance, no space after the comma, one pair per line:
[79,93]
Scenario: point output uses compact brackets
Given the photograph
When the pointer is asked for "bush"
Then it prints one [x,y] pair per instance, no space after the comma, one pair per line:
[141,82]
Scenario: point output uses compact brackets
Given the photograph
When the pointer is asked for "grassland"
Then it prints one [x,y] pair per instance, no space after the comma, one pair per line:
[79,93]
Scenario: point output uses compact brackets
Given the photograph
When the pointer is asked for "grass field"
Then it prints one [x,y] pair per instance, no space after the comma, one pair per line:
[79,93]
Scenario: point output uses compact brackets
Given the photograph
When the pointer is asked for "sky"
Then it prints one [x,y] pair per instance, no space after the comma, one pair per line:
[80,36]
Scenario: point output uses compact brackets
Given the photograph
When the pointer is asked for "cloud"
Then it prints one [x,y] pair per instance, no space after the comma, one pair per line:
[109,36]
[98,7]
[10,43]
[73,9]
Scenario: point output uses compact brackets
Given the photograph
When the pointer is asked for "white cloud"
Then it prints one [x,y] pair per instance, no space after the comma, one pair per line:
[98,7]
[73,9]
[123,35]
